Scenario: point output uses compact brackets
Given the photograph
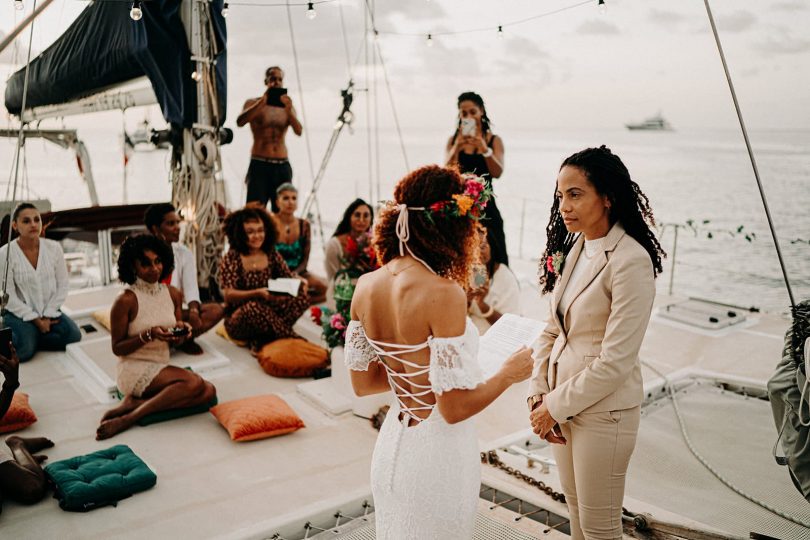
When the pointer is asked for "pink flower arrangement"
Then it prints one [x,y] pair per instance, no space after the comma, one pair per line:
[554,263]
[337,321]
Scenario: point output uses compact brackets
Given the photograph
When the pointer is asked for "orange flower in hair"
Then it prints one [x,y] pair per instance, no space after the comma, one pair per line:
[464,202]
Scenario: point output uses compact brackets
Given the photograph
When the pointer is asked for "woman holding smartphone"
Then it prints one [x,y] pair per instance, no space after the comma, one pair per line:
[475,149]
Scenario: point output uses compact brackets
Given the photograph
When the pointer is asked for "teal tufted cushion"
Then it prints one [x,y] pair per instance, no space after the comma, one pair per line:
[86,482]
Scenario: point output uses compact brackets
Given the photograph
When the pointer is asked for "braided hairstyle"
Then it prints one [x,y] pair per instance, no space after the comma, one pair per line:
[479,101]
[448,244]
[629,206]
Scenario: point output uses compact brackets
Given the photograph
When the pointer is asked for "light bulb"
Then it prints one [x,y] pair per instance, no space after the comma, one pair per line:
[136,13]
[225,10]
[429,41]
[500,32]
[602,7]
[311,13]
[18,5]
[196,76]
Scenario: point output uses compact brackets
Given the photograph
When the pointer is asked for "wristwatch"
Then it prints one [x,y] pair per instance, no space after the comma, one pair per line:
[488,153]
[534,400]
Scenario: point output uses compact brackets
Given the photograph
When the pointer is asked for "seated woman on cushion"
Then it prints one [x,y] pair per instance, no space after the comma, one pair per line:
[295,239]
[145,320]
[350,246]
[21,476]
[37,287]
[252,312]
[499,291]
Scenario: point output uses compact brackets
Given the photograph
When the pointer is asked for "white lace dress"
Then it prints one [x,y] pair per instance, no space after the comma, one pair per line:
[425,478]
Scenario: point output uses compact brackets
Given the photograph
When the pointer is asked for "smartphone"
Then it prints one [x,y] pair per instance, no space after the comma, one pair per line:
[274,96]
[467,127]
[478,276]
[5,342]
[179,331]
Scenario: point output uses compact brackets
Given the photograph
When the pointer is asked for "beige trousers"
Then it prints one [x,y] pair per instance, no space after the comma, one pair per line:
[592,466]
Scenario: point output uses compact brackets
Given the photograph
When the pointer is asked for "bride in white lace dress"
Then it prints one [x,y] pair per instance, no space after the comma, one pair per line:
[409,333]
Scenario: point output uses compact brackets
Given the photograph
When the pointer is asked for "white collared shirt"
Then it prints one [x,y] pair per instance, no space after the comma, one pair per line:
[184,275]
[35,293]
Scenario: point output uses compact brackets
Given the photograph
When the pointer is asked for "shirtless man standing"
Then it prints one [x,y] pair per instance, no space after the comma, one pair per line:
[269,166]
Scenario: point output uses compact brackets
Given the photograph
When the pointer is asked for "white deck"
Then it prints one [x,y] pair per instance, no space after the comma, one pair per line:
[211,487]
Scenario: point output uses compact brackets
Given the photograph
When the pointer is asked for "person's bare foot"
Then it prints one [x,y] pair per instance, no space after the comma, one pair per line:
[128,404]
[32,444]
[191,347]
[40,458]
[113,426]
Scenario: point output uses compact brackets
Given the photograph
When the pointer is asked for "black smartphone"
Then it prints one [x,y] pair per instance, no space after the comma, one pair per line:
[274,96]
[179,331]
[5,342]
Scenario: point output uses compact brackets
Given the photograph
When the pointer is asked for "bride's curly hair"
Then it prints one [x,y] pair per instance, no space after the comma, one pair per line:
[629,206]
[447,244]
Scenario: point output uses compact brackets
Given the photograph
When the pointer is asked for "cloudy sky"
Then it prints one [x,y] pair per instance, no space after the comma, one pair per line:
[576,68]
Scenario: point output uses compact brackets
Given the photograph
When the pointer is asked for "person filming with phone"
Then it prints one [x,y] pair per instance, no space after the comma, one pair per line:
[473,148]
[269,117]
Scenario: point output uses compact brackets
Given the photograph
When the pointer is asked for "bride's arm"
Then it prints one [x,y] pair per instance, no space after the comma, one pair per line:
[368,376]
[455,376]
[372,381]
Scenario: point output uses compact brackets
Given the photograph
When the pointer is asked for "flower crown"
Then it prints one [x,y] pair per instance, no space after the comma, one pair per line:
[471,203]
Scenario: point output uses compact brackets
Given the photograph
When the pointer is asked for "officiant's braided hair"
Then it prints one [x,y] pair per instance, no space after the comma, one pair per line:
[629,206]
[448,244]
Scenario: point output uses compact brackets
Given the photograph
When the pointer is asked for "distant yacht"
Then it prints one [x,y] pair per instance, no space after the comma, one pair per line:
[653,123]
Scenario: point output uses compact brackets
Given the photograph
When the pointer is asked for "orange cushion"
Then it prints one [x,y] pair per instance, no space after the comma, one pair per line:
[257,417]
[292,358]
[220,331]
[20,414]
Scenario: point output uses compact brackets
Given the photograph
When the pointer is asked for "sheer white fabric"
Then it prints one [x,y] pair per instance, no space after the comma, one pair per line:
[425,478]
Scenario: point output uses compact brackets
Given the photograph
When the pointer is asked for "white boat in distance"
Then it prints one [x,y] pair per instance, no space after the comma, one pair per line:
[653,123]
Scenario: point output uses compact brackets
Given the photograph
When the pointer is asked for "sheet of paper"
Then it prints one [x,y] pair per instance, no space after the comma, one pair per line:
[505,337]
[284,285]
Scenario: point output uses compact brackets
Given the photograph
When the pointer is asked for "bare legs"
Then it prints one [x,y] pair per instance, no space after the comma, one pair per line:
[172,388]
[22,479]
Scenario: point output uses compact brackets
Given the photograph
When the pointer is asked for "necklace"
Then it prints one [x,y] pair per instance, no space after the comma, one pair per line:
[151,289]
[398,272]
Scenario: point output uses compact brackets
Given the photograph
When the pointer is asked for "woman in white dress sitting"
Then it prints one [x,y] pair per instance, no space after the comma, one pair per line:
[497,293]
[37,287]
[409,333]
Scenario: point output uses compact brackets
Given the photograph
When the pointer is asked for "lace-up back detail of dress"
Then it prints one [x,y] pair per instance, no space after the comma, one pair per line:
[453,365]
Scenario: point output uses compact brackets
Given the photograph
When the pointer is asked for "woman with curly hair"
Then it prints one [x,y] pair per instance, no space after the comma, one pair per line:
[600,263]
[409,333]
[252,312]
[144,320]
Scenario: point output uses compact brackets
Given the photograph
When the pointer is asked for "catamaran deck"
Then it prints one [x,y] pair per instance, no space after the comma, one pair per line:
[211,487]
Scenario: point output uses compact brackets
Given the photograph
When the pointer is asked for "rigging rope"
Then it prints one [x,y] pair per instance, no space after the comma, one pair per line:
[751,155]
[301,94]
[705,462]
[4,298]
[345,42]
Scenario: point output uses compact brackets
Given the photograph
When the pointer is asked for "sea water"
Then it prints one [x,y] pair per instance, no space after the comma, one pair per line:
[702,176]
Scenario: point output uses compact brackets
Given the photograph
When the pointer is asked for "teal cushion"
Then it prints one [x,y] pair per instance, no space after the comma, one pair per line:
[171,414]
[86,482]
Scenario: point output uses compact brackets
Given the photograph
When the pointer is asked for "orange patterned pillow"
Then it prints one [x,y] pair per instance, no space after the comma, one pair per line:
[292,357]
[257,417]
[20,414]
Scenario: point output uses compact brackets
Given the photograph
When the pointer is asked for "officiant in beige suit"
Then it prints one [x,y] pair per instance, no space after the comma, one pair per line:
[585,394]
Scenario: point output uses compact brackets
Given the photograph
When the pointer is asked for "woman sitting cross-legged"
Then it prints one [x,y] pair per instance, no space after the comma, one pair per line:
[295,240]
[145,319]
[37,287]
[252,312]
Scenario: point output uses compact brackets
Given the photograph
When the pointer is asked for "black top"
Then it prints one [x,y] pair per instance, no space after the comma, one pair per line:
[475,163]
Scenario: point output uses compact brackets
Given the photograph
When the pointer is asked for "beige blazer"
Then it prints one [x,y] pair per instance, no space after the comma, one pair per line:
[588,361]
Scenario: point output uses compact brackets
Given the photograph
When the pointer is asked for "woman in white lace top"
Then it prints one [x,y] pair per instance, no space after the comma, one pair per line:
[409,334]
[37,287]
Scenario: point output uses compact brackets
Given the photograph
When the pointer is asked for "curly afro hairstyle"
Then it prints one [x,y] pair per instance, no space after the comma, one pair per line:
[447,244]
[235,229]
[134,249]
[629,206]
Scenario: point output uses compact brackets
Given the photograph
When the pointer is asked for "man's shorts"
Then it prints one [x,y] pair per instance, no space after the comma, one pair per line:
[264,176]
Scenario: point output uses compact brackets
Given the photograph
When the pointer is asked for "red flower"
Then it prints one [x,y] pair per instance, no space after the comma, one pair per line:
[473,188]
[438,206]
[351,247]
[550,264]
[316,314]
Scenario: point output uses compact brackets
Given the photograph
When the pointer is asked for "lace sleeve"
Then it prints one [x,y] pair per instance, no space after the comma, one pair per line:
[453,365]
[358,351]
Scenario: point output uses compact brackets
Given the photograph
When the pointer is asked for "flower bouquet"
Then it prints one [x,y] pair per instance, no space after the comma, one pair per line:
[360,254]
[333,325]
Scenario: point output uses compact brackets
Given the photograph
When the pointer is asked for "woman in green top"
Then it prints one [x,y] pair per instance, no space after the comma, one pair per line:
[295,239]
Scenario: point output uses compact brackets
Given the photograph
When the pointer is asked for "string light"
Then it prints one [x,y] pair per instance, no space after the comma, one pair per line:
[429,42]
[225,10]
[18,5]
[311,13]
[136,13]
[196,76]
[500,32]
[602,7]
